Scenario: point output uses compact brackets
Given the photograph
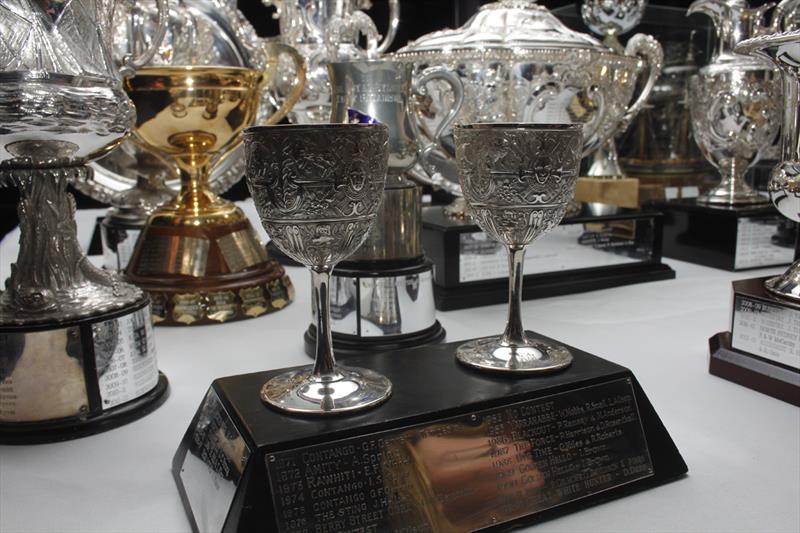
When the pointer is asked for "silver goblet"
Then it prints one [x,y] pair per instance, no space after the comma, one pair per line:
[518,180]
[317,189]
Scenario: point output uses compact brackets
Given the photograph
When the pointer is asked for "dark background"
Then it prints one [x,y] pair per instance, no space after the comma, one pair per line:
[418,17]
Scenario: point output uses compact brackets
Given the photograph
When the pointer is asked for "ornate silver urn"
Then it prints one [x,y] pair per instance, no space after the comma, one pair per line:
[734,102]
[326,31]
[519,63]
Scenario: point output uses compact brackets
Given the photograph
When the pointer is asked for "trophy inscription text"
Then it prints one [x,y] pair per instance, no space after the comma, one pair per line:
[754,246]
[767,330]
[466,472]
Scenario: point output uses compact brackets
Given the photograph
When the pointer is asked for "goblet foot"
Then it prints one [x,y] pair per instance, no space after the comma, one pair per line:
[535,356]
[346,390]
[723,195]
[786,285]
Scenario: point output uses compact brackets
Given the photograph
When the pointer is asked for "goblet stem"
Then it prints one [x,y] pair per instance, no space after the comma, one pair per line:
[324,363]
[514,335]
[791,117]
[194,194]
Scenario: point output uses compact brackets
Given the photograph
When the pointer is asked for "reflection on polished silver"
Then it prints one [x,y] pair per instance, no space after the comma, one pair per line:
[382,306]
[317,190]
[733,102]
[386,91]
[609,19]
[199,32]
[519,63]
[612,18]
[326,31]
[783,49]
[61,105]
[518,180]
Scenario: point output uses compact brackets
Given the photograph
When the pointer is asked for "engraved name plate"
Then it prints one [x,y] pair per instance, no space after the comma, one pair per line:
[567,247]
[213,465]
[766,329]
[240,250]
[174,254]
[467,472]
[754,247]
[125,355]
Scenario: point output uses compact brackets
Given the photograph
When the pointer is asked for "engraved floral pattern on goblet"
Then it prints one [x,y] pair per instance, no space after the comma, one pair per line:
[518,180]
[317,189]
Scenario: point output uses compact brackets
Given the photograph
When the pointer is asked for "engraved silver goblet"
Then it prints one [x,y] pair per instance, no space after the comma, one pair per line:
[518,180]
[317,189]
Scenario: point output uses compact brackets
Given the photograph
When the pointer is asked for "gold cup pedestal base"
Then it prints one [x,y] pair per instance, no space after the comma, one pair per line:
[206,269]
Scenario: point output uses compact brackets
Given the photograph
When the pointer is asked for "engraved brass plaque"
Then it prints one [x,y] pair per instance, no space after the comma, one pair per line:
[467,472]
[241,250]
[174,254]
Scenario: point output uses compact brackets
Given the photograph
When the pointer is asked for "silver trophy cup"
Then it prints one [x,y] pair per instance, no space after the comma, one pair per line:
[517,180]
[317,189]
[393,280]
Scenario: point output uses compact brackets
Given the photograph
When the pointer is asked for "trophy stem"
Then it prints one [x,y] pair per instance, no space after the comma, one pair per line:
[325,363]
[791,118]
[733,189]
[195,195]
[52,280]
[514,334]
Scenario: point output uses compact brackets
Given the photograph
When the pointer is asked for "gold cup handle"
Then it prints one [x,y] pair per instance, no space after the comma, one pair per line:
[274,51]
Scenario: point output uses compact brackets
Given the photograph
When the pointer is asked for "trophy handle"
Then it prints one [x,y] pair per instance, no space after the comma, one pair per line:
[274,50]
[130,62]
[394,22]
[419,88]
[644,46]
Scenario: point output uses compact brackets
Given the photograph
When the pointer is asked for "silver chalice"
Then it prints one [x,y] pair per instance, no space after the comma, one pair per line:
[317,189]
[518,180]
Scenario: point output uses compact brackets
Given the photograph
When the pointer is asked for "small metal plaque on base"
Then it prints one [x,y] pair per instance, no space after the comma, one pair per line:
[730,238]
[762,350]
[73,379]
[583,253]
[452,450]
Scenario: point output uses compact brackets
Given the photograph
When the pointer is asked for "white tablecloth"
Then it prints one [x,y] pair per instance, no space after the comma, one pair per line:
[742,448]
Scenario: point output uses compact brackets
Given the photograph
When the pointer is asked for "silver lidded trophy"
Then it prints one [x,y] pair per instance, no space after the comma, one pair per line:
[734,102]
[784,187]
[61,106]
[517,180]
[317,189]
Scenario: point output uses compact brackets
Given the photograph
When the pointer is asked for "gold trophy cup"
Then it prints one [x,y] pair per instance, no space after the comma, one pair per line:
[198,256]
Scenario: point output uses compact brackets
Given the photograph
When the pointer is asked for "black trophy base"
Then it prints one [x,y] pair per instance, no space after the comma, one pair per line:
[593,253]
[346,346]
[76,428]
[728,238]
[277,254]
[453,449]
[753,372]
[548,285]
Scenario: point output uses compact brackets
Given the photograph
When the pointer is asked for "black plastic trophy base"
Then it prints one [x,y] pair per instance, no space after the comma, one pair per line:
[78,378]
[347,346]
[582,254]
[762,350]
[453,449]
[729,238]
